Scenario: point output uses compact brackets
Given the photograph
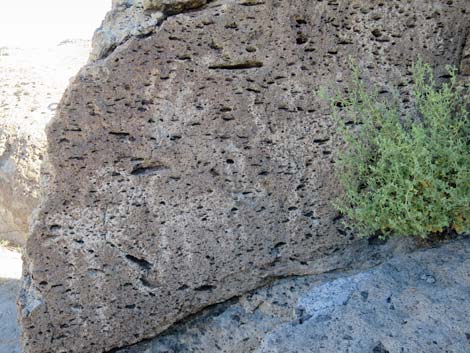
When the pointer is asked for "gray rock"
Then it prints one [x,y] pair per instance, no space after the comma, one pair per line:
[385,309]
[135,18]
[195,164]
[126,19]
[465,62]
[20,159]
[173,6]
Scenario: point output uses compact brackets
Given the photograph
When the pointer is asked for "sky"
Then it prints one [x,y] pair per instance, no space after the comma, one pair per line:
[39,23]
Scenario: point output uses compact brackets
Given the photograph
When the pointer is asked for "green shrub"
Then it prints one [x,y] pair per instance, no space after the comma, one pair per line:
[405,173]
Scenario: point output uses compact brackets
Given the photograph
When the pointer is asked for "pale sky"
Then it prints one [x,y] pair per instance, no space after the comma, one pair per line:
[38,23]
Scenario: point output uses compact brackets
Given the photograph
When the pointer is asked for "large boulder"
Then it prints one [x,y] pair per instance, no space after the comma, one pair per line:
[192,164]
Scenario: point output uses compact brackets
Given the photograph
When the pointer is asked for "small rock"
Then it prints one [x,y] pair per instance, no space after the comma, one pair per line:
[380,349]
[428,278]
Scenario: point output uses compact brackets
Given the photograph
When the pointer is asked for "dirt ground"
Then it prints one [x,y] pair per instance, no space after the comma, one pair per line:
[10,273]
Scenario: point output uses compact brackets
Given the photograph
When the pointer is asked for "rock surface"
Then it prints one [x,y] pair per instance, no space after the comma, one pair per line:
[465,63]
[256,320]
[20,159]
[415,303]
[193,165]
[32,82]
[127,19]
[173,7]
[135,18]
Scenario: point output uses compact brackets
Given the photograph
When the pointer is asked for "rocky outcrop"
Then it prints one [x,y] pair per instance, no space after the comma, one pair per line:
[20,158]
[127,19]
[173,7]
[32,82]
[414,303]
[135,18]
[465,63]
[193,164]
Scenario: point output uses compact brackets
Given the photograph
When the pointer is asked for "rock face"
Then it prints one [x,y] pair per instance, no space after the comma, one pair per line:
[414,303]
[127,19]
[135,18]
[173,7]
[32,83]
[20,158]
[465,63]
[193,164]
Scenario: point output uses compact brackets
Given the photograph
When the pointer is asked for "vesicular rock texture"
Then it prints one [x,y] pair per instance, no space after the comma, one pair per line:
[127,19]
[193,164]
[414,303]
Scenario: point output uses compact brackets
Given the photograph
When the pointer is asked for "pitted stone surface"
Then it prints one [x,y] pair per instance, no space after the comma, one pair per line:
[135,18]
[126,19]
[194,164]
[391,308]
[465,63]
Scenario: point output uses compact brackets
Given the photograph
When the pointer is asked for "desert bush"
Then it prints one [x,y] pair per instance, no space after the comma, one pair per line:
[405,171]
